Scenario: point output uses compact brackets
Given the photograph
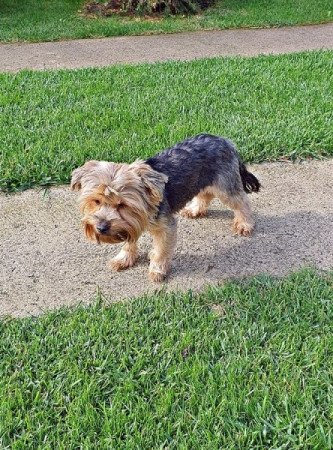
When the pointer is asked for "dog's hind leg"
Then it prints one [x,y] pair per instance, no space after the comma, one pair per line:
[126,257]
[243,221]
[164,233]
[197,206]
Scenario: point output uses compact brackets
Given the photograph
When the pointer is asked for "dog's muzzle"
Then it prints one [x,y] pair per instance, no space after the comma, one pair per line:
[102,227]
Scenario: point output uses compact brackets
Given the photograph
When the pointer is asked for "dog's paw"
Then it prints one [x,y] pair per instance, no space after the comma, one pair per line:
[189,213]
[156,277]
[243,228]
[158,270]
[117,265]
[123,261]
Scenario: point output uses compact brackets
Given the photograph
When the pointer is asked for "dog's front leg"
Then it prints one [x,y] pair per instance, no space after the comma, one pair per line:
[126,257]
[164,233]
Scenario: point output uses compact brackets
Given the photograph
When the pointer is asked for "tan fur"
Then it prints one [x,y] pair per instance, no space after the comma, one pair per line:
[126,257]
[164,233]
[243,222]
[198,206]
[126,197]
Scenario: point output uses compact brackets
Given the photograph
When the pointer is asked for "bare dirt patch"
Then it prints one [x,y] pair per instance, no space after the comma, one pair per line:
[116,7]
[97,9]
[46,262]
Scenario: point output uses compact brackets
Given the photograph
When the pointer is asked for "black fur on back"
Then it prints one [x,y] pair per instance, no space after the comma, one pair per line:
[191,166]
[199,162]
[250,182]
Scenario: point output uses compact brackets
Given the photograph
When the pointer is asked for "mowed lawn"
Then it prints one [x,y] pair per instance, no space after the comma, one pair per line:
[241,366]
[271,106]
[47,20]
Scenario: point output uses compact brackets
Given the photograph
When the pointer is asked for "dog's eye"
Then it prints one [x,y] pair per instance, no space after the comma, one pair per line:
[97,202]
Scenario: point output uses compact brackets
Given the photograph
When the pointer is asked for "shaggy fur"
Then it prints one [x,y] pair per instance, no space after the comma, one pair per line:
[121,201]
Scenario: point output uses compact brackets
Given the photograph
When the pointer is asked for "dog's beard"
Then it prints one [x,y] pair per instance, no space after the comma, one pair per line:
[119,231]
[111,239]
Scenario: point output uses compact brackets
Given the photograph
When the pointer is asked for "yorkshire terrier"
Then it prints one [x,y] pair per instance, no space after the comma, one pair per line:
[121,201]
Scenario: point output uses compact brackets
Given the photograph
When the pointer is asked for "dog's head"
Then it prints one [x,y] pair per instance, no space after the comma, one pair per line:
[117,201]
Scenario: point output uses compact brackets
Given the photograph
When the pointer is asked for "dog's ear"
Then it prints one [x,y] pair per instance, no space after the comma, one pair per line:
[89,232]
[152,180]
[79,173]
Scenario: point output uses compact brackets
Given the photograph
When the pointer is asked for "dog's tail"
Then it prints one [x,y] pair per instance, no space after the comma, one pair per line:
[250,182]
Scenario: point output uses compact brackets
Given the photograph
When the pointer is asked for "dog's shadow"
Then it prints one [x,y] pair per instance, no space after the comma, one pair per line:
[146,241]
[278,245]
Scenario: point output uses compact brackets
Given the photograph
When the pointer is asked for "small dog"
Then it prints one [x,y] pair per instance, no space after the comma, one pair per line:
[121,201]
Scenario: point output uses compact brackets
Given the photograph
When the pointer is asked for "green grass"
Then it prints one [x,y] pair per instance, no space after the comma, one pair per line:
[242,366]
[35,20]
[270,106]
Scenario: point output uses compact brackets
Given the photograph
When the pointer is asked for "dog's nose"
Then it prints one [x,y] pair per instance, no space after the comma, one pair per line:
[102,227]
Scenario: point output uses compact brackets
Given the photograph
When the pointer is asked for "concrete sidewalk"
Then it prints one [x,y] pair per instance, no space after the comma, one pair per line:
[181,46]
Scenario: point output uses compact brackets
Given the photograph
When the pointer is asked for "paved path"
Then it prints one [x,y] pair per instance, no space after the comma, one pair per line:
[182,46]
[46,262]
